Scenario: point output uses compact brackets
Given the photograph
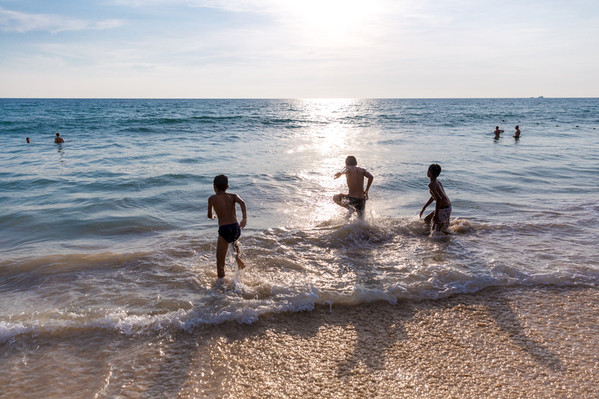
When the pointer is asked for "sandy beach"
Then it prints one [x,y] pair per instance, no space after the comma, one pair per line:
[499,343]
[521,342]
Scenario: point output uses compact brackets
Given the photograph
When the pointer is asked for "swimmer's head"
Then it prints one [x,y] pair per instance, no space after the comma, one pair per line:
[221,182]
[57,134]
[434,170]
[351,161]
[517,127]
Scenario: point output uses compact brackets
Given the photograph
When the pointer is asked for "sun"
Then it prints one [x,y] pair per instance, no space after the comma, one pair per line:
[328,21]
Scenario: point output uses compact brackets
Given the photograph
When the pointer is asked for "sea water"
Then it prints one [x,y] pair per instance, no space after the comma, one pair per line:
[108,233]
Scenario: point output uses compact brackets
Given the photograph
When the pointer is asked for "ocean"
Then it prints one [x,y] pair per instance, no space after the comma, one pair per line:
[105,237]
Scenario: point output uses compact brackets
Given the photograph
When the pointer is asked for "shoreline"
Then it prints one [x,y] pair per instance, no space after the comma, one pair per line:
[538,342]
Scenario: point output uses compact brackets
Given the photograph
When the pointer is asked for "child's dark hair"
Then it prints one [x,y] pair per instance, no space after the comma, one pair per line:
[435,170]
[351,161]
[221,182]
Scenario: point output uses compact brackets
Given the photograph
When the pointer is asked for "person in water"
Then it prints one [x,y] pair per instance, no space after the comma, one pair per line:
[58,139]
[355,200]
[28,140]
[440,217]
[497,132]
[517,132]
[229,229]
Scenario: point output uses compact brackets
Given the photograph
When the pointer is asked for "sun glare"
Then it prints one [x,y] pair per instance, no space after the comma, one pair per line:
[332,20]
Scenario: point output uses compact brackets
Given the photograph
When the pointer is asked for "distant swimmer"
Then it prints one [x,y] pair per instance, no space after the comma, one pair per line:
[355,200]
[58,139]
[229,229]
[27,139]
[497,132]
[517,133]
[440,217]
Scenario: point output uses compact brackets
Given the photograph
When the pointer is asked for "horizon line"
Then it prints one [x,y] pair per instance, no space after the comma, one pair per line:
[291,98]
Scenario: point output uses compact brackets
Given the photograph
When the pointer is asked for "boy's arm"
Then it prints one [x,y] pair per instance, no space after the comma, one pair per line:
[339,174]
[244,216]
[436,214]
[370,179]
[430,201]
[436,193]
[210,215]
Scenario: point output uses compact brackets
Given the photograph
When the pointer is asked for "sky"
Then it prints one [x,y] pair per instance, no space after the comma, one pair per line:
[299,48]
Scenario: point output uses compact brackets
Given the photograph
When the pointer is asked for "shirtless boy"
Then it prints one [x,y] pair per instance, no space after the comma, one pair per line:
[517,132]
[229,229]
[58,139]
[355,200]
[440,217]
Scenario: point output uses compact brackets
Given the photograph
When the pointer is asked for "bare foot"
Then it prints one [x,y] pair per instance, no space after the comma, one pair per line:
[240,263]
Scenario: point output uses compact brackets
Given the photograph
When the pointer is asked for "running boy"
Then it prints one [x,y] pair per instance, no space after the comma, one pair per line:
[440,217]
[229,229]
[356,199]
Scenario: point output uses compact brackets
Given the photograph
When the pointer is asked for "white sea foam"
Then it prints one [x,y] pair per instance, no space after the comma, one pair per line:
[123,322]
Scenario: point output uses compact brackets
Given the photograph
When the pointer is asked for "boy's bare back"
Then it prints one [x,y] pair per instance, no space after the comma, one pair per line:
[355,180]
[224,206]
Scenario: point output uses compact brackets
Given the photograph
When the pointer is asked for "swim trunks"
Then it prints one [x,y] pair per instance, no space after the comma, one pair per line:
[357,203]
[443,224]
[230,232]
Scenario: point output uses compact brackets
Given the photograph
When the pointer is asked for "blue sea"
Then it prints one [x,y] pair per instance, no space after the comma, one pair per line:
[107,234]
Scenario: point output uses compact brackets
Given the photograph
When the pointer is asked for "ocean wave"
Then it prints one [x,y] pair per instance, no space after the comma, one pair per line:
[194,316]
[217,118]
[123,183]
[138,129]
[20,184]
[49,265]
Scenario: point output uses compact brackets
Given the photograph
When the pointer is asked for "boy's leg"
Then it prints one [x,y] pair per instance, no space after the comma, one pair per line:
[238,259]
[341,200]
[360,206]
[429,218]
[221,253]
[444,216]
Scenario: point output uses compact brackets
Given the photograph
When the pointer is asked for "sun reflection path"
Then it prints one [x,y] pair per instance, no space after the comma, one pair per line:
[330,131]
[325,144]
[318,206]
[333,129]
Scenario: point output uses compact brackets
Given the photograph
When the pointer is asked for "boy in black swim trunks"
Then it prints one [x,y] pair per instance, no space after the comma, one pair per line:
[356,199]
[229,229]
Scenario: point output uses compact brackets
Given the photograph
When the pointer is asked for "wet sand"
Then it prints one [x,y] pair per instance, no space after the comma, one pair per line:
[498,343]
[501,343]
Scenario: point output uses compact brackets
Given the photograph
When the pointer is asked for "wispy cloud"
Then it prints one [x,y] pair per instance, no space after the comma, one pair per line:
[14,21]
[228,5]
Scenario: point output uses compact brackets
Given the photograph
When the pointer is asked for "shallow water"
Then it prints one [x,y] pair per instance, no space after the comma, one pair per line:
[107,233]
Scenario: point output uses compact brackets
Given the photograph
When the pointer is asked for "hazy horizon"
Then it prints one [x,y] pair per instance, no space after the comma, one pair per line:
[293,98]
